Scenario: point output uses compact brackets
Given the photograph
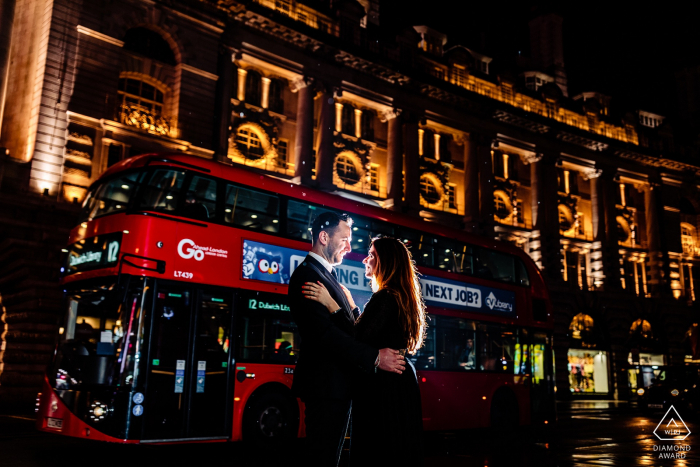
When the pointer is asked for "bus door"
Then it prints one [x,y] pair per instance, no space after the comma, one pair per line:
[542,395]
[187,383]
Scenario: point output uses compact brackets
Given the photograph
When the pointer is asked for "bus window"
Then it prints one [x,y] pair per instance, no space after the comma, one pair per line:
[200,199]
[424,358]
[454,257]
[491,264]
[251,209]
[268,339]
[496,348]
[458,344]
[521,273]
[162,191]
[364,229]
[420,245]
[110,197]
[299,219]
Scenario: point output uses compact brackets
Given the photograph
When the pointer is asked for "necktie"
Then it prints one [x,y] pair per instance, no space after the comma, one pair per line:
[334,274]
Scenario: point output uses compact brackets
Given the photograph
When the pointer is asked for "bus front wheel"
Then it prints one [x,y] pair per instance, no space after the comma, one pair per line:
[270,418]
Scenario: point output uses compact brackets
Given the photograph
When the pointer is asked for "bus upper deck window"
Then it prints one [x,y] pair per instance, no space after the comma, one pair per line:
[251,209]
[492,264]
[111,196]
[421,246]
[299,218]
[200,199]
[162,191]
[522,276]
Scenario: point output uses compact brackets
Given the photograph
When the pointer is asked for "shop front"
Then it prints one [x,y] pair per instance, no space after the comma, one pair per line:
[587,362]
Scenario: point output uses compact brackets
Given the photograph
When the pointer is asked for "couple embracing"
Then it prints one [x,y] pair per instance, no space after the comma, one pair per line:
[355,363]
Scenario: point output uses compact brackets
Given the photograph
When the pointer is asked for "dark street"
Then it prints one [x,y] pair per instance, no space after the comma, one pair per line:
[588,434]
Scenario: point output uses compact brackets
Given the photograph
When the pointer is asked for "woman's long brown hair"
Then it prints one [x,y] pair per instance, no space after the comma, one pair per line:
[396,272]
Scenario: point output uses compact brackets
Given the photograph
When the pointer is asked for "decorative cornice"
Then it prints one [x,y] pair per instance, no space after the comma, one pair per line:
[365,66]
[100,36]
[389,114]
[590,174]
[199,72]
[301,83]
[587,143]
[657,161]
[520,122]
[531,158]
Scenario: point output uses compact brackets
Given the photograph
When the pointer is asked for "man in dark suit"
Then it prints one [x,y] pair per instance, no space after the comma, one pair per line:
[329,355]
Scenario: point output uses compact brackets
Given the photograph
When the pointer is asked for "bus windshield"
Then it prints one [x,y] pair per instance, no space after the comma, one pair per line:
[101,339]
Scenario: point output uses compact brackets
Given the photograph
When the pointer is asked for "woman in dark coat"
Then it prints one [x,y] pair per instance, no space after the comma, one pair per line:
[387,425]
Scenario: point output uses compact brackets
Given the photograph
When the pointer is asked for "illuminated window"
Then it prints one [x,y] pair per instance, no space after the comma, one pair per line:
[566,218]
[248,143]
[137,93]
[374,177]
[282,146]
[429,191]
[347,170]
[459,76]
[501,204]
[688,239]
[451,196]
[623,230]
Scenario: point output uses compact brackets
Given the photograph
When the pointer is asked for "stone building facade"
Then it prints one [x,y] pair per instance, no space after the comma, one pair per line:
[324,94]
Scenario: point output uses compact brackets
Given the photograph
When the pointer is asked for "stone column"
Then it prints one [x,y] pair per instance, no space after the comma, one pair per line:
[265,100]
[242,73]
[303,145]
[545,245]
[223,107]
[411,165]
[484,160]
[598,223]
[471,184]
[656,255]
[394,160]
[7,15]
[611,255]
[325,156]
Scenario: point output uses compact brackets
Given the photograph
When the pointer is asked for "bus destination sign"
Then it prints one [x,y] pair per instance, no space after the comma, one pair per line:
[272,263]
[97,252]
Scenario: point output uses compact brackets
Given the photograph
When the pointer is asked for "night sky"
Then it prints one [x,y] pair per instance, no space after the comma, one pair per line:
[630,54]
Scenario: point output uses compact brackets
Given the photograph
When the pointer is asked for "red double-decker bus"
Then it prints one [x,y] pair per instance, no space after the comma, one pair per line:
[177,326]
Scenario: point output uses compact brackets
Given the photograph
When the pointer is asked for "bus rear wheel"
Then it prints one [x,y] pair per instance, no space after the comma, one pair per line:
[270,419]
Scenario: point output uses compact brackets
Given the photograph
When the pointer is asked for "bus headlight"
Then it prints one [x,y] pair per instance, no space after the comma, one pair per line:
[98,411]
[640,391]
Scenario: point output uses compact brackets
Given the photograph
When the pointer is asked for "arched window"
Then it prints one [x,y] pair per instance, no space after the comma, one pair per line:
[688,239]
[150,44]
[253,87]
[248,142]
[145,96]
[642,329]
[347,170]
[429,190]
[566,218]
[623,230]
[581,326]
[502,205]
